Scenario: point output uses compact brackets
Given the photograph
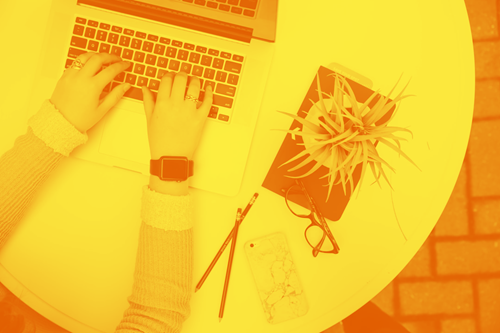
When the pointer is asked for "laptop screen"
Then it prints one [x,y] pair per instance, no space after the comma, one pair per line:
[163,14]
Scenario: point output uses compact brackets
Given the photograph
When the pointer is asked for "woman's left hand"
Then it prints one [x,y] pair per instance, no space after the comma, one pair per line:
[78,92]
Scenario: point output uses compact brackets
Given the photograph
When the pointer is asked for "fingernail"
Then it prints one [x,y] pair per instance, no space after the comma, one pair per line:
[126,86]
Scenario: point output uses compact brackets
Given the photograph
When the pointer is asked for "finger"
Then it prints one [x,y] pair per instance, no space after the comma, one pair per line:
[194,88]
[83,58]
[149,103]
[179,87]
[207,102]
[95,63]
[112,98]
[109,73]
[165,87]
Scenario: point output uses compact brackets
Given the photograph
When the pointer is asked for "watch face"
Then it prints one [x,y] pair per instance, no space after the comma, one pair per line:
[176,169]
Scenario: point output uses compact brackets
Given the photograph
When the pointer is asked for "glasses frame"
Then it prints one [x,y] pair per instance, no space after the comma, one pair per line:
[314,222]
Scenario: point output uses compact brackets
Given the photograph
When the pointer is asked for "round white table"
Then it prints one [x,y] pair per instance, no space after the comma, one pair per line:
[72,257]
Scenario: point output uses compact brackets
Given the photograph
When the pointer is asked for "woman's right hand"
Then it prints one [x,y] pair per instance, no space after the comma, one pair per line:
[175,124]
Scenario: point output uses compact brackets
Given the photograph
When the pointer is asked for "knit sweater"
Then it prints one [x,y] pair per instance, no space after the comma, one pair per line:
[163,270]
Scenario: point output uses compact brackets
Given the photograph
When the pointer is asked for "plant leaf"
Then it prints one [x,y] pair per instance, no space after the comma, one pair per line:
[318,164]
[306,123]
[302,134]
[387,143]
[309,158]
[309,150]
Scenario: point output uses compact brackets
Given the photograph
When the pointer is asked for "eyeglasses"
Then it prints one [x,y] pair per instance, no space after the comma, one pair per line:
[317,234]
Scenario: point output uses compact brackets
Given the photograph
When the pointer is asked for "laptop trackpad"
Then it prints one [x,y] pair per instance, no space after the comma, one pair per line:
[125,136]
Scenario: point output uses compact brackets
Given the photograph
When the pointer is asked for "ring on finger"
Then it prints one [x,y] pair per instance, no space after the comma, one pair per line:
[191,98]
[77,64]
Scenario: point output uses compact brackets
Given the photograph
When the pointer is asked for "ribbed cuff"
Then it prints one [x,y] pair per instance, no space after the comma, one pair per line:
[167,212]
[57,132]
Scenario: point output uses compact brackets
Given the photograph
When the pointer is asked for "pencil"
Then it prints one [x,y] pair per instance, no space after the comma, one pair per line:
[224,245]
[229,264]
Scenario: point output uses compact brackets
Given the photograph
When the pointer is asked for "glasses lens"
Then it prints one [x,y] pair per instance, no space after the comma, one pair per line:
[297,201]
[314,235]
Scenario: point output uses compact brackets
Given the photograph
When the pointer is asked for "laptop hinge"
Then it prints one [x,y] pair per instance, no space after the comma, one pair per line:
[174,17]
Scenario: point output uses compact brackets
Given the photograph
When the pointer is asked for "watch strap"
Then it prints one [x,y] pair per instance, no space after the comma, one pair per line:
[155,167]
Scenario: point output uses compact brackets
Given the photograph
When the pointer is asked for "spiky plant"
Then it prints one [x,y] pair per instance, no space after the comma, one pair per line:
[344,138]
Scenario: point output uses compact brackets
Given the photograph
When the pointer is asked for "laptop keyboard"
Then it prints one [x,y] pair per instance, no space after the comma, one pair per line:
[153,55]
[238,7]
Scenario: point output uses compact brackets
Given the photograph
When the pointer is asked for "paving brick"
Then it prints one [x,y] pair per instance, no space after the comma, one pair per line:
[452,297]
[385,299]
[489,305]
[484,152]
[419,264]
[458,325]
[420,327]
[483,18]
[454,219]
[465,257]
[487,99]
[487,59]
[486,216]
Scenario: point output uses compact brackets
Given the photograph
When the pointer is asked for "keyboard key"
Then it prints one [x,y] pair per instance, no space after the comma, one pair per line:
[188,46]
[68,63]
[233,79]
[116,50]
[154,38]
[148,47]
[136,44]
[198,70]
[93,23]
[223,117]
[150,59]
[151,71]
[107,87]
[221,1]
[135,93]
[104,26]
[164,40]
[213,112]
[236,10]
[232,67]
[209,73]
[190,1]
[139,69]
[222,101]
[221,76]
[177,43]
[218,63]
[102,35]
[90,32]
[78,42]
[120,77]
[159,49]
[73,53]
[117,29]
[130,67]
[113,38]
[224,89]
[213,52]
[171,52]
[200,2]
[206,60]
[124,41]
[127,54]
[93,45]
[81,20]
[129,32]
[182,55]
[212,4]
[140,34]
[114,84]
[105,48]
[233,2]
[225,55]
[201,49]
[237,58]
[154,84]
[162,62]
[186,67]
[161,72]
[250,4]
[249,12]
[194,57]
[142,81]
[139,56]
[174,65]
[131,78]
[209,83]
[78,30]
[224,7]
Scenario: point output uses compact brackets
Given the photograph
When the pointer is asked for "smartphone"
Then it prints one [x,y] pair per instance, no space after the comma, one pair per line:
[276,278]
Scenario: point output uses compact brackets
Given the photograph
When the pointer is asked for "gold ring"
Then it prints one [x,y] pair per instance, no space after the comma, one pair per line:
[77,64]
[191,98]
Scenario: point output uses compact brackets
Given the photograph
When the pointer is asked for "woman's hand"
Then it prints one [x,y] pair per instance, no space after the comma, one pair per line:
[174,123]
[78,93]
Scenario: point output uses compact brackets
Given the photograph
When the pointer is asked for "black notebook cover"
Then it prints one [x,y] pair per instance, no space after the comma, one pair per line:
[318,188]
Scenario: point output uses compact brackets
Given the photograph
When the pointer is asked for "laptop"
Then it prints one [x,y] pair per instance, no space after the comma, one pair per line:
[228,44]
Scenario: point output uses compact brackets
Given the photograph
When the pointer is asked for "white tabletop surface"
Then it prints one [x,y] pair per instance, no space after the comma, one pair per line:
[72,256]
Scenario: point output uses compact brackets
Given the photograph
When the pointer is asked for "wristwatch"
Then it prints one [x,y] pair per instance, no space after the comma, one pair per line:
[172,168]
